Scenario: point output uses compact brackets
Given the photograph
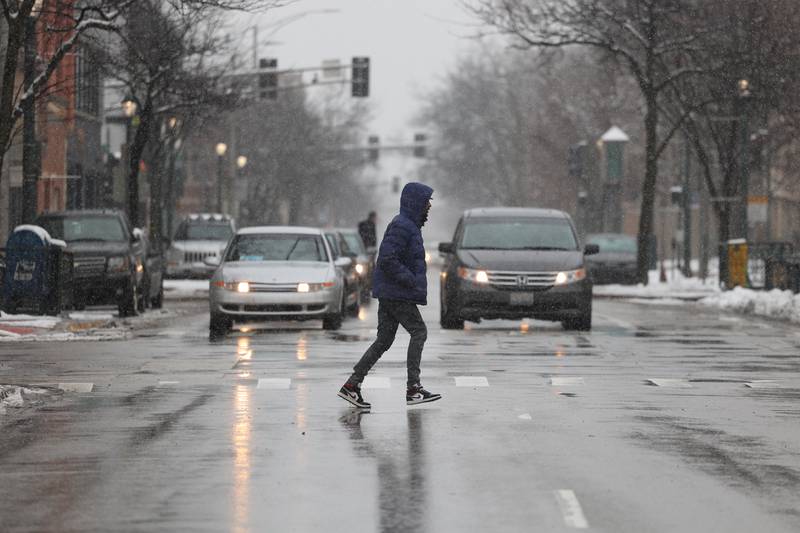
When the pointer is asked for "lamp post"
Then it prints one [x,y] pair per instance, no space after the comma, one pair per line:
[221,148]
[31,155]
[745,96]
[129,107]
[174,145]
[614,141]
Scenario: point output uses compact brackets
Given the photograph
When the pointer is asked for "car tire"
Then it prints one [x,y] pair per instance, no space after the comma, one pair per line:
[128,301]
[448,317]
[158,301]
[141,303]
[356,307]
[219,325]
[332,322]
[79,300]
[582,322]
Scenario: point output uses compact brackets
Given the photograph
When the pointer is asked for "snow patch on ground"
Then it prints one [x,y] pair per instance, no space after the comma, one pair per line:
[29,321]
[14,396]
[182,289]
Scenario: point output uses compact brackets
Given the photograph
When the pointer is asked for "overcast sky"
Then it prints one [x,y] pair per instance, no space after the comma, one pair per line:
[409,42]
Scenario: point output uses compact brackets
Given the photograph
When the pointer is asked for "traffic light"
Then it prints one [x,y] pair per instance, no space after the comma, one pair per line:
[268,81]
[360,77]
[396,184]
[374,150]
[419,144]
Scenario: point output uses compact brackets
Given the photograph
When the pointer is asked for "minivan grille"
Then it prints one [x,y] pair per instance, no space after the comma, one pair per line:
[522,279]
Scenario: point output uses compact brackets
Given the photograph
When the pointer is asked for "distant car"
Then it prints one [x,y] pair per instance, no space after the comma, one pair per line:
[277,272]
[109,257]
[616,261]
[515,263]
[352,279]
[365,263]
[199,236]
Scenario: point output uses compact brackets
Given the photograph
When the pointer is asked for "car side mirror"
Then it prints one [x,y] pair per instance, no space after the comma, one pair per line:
[212,261]
[447,247]
[591,249]
[342,262]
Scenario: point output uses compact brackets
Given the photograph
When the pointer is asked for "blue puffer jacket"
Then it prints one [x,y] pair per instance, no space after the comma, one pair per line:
[400,272]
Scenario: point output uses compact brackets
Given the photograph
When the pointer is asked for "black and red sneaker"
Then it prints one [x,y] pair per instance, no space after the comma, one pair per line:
[352,394]
[416,394]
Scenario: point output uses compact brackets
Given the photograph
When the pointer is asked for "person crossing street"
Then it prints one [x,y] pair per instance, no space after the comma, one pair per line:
[400,285]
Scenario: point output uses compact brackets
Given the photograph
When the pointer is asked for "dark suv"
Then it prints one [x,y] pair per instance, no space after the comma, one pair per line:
[515,263]
[109,257]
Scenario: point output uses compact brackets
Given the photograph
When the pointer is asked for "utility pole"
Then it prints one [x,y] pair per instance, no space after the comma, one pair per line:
[30,146]
[687,209]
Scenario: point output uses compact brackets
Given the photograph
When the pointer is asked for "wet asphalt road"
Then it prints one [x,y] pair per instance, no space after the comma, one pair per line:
[539,429]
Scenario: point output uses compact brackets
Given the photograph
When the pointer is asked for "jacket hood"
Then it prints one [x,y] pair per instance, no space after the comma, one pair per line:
[414,199]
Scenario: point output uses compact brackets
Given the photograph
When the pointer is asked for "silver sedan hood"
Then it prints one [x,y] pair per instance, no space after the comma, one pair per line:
[277,271]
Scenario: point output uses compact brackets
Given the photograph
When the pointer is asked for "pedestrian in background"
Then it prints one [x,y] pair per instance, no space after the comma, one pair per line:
[400,285]
[366,228]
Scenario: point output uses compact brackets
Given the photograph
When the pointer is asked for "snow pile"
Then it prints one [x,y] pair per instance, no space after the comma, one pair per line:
[178,289]
[15,396]
[29,321]
[776,303]
[676,287]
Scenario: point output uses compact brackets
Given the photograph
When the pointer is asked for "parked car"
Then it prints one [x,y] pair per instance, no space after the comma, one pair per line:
[365,263]
[109,257]
[199,236]
[515,263]
[616,262]
[277,272]
[352,279]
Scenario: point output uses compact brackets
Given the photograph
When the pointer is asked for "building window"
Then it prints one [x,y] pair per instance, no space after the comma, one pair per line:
[87,82]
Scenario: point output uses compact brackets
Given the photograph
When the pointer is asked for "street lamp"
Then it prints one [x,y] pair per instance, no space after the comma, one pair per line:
[745,96]
[221,148]
[31,149]
[130,106]
[241,161]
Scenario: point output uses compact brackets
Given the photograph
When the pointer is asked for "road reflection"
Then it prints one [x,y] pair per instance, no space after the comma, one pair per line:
[403,498]
[302,347]
[243,350]
[242,429]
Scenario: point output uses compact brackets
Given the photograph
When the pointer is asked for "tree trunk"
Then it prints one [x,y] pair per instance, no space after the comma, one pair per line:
[645,235]
[135,152]
[9,87]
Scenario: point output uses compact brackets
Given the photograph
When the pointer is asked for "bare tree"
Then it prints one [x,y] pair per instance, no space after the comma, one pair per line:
[644,36]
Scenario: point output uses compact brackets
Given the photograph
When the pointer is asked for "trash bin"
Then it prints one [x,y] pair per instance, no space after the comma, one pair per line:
[38,273]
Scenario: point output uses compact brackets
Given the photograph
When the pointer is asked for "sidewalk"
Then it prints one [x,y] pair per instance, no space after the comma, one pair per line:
[678,290]
[98,325]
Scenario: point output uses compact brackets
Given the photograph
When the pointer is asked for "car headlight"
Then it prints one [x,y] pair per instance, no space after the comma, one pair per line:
[570,276]
[314,287]
[118,264]
[476,276]
[235,286]
[360,269]
[243,286]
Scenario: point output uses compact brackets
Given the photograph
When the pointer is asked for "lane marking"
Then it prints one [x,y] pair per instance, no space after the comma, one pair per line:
[616,321]
[571,509]
[762,384]
[165,383]
[274,383]
[525,416]
[566,381]
[76,387]
[376,382]
[669,382]
[471,381]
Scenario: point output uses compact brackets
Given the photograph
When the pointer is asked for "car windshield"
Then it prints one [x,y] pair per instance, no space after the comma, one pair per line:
[354,243]
[204,231]
[84,228]
[620,244]
[277,247]
[519,234]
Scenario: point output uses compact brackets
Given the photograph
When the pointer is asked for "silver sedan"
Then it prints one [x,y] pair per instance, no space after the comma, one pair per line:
[277,272]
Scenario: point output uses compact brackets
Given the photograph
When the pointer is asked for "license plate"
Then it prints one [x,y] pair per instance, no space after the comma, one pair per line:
[521,298]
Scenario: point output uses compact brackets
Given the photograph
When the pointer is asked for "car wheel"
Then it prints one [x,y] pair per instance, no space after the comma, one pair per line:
[219,325]
[128,301]
[582,322]
[79,300]
[448,316]
[356,307]
[332,322]
[142,301]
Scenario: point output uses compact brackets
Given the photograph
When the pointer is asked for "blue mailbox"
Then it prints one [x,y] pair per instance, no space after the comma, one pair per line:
[38,272]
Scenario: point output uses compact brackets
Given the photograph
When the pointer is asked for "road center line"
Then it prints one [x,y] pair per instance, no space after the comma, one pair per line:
[566,381]
[76,387]
[471,381]
[274,383]
[376,382]
[571,509]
